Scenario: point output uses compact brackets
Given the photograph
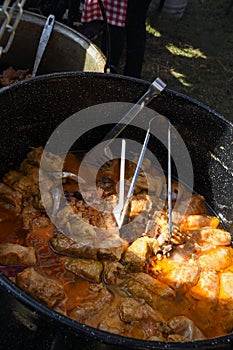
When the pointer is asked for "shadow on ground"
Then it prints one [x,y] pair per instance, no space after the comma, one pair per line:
[194,55]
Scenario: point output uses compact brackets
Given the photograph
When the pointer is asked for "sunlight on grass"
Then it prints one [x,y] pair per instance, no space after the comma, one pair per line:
[180,77]
[188,51]
[151,30]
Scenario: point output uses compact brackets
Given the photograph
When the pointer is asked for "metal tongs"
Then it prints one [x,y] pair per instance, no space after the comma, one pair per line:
[96,159]
[46,33]
[120,209]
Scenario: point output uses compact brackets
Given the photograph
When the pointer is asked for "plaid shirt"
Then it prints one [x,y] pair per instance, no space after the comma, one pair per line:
[115,11]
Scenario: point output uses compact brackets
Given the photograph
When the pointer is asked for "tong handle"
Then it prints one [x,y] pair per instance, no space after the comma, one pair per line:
[154,90]
[118,208]
[46,33]
[134,179]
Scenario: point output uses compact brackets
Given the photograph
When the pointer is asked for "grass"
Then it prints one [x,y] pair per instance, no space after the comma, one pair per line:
[194,55]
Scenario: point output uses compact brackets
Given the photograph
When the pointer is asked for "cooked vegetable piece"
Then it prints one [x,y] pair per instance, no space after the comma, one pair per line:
[87,268]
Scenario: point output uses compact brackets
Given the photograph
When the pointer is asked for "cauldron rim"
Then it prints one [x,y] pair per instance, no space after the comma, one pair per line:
[73,74]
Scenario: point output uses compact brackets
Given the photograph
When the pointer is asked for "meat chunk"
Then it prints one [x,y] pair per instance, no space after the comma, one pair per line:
[21,183]
[179,275]
[101,245]
[207,287]
[155,293]
[87,268]
[50,161]
[138,252]
[195,206]
[10,198]
[112,322]
[213,236]
[81,210]
[97,302]
[10,76]
[137,310]
[139,203]
[137,290]
[194,222]
[28,214]
[203,299]
[114,272]
[110,245]
[146,182]
[65,245]
[185,327]
[225,306]
[34,156]
[16,254]
[217,258]
[145,321]
[40,287]
[155,286]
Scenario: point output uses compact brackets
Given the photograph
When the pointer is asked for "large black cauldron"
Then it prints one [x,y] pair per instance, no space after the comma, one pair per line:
[29,112]
[67,50]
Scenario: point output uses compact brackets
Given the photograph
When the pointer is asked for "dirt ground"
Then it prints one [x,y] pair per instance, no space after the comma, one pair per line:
[194,55]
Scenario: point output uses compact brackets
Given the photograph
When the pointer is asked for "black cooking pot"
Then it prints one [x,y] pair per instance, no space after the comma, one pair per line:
[30,111]
[67,49]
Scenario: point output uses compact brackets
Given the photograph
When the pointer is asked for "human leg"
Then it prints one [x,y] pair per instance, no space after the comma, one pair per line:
[117,39]
[135,36]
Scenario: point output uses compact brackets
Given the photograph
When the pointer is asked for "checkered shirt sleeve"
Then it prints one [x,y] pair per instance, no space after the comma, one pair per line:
[115,11]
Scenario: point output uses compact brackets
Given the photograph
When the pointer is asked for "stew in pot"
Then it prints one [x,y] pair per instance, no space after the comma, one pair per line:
[10,76]
[139,282]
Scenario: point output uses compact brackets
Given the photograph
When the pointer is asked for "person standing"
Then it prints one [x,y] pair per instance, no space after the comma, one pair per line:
[135,36]
[127,29]
[93,18]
